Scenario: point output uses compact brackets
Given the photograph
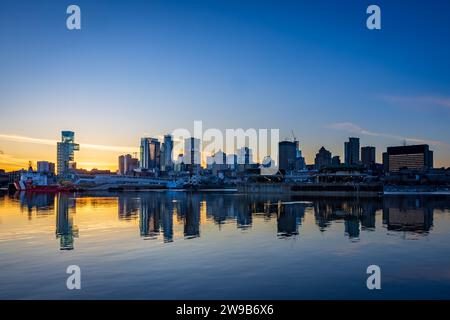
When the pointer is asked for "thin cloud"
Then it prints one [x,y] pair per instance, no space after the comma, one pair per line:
[425,101]
[14,162]
[357,130]
[9,160]
[49,142]
[352,128]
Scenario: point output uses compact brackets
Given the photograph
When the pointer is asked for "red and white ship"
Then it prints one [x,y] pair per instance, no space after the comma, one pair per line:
[37,182]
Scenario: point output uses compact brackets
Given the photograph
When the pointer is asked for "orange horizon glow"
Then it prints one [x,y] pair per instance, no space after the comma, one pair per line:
[17,151]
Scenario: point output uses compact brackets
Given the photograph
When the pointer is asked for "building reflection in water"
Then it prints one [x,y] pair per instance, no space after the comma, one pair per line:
[408,214]
[224,209]
[128,207]
[156,211]
[289,219]
[65,230]
[357,214]
[41,203]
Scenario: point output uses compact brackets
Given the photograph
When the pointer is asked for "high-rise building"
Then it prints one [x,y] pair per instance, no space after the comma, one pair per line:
[385,162]
[217,162]
[192,153]
[131,164]
[218,158]
[414,157]
[368,156]
[323,158]
[232,161]
[65,152]
[336,161]
[150,153]
[121,165]
[287,155]
[178,164]
[166,153]
[351,151]
[127,164]
[300,163]
[46,167]
[245,156]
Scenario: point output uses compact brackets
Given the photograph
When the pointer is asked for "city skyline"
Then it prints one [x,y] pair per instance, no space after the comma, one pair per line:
[288,148]
[149,68]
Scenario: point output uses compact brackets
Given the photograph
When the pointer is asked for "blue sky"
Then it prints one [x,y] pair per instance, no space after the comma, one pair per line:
[147,67]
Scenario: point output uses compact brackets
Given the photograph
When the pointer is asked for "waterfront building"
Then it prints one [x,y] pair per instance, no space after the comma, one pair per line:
[220,157]
[351,151]
[218,162]
[368,155]
[166,153]
[4,178]
[232,161]
[217,158]
[192,155]
[46,167]
[300,161]
[287,155]
[385,162]
[127,164]
[121,165]
[65,153]
[150,152]
[323,159]
[336,161]
[131,164]
[179,165]
[414,157]
[245,156]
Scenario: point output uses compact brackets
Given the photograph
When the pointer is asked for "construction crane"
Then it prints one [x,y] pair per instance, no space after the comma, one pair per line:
[294,138]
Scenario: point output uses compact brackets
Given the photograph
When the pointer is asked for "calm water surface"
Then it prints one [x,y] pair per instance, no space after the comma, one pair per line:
[176,245]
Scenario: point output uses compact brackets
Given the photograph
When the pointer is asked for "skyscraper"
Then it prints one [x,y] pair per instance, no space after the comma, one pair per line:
[122,165]
[287,155]
[368,156]
[192,154]
[150,153]
[300,163]
[130,164]
[127,164]
[323,158]
[217,162]
[166,153]
[351,151]
[65,152]
[232,161]
[46,167]
[245,156]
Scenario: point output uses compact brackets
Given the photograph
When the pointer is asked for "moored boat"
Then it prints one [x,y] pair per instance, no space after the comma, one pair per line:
[38,182]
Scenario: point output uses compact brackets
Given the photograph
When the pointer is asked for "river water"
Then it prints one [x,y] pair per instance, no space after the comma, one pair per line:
[179,245]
